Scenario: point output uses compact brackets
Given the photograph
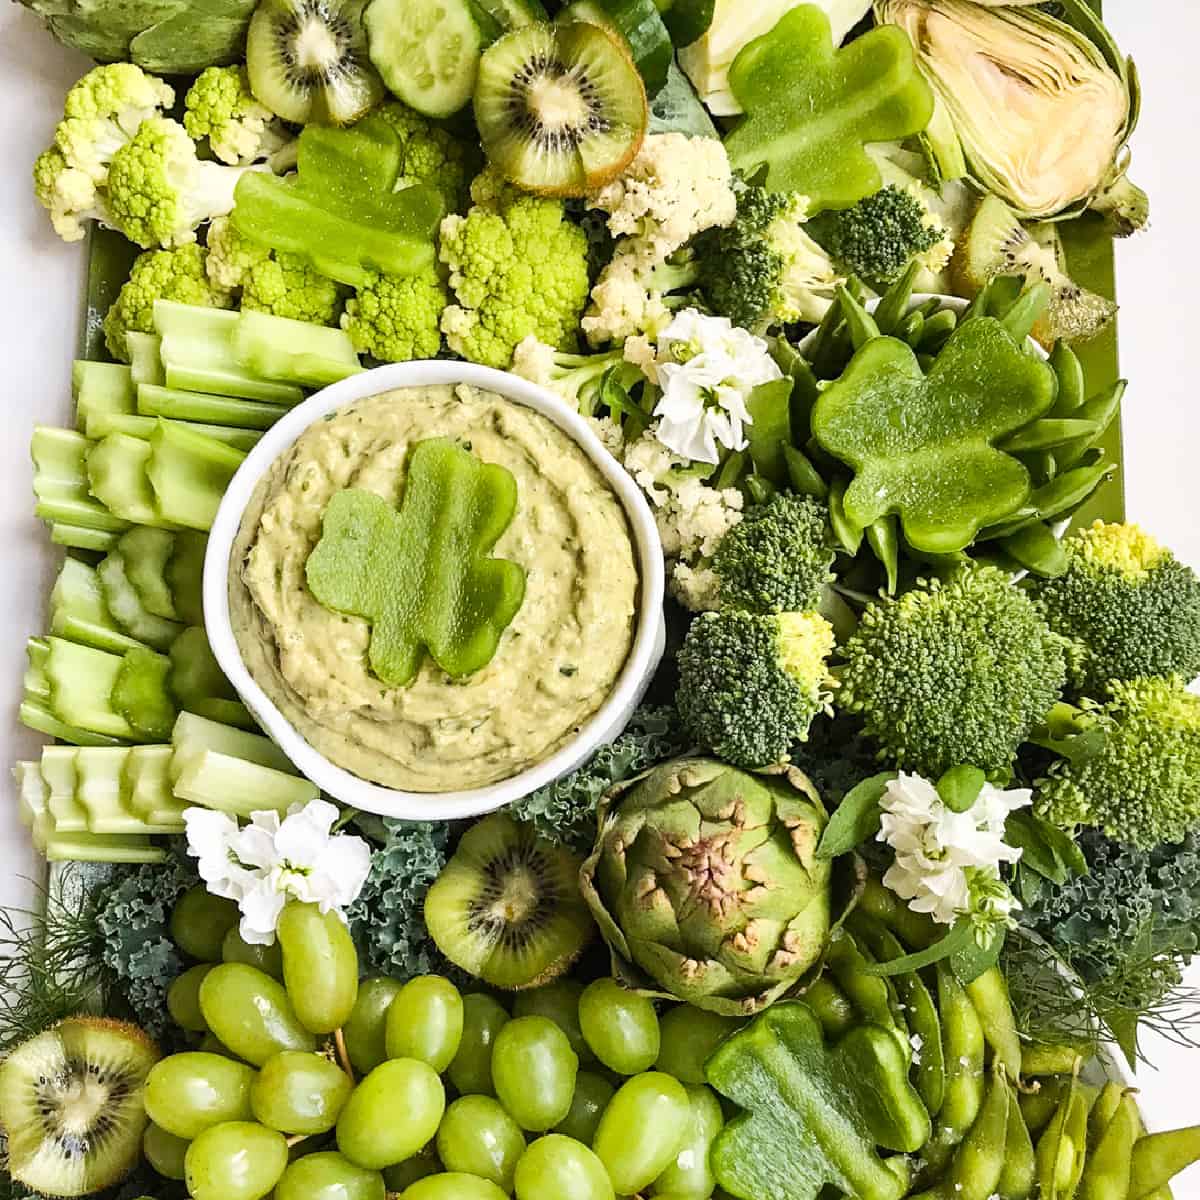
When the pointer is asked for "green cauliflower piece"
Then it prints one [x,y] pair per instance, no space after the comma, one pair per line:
[270,281]
[429,154]
[1142,785]
[177,274]
[120,92]
[750,685]
[395,318]
[69,194]
[222,108]
[1128,605]
[517,266]
[160,192]
[953,673]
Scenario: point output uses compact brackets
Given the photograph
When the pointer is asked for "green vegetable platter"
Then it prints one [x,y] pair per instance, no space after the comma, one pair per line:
[875,894]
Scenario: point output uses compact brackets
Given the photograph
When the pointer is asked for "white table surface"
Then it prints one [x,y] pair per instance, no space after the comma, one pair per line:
[1160,351]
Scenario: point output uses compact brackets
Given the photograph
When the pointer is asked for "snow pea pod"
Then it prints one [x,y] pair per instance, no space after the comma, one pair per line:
[1069,370]
[1100,410]
[1049,432]
[883,536]
[989,996]
[927,308]
[893,308]
[937,331]
[912,328]
[1159,1157]
[1107,1172]
[1036,549]
[1054,499]
[848,534]
[803,476]
[1019,1176]
[859,322]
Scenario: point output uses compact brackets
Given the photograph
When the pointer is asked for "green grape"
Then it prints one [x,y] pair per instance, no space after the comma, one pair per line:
[164,1151]
[454,1185]
[404,1174]
[392,1113]
[471,1070]
[199,922]
[365,1029]
[642,1129]
[211,1044]
[297,1092]
[183,999]
[555,1167]
[689,1036]
[320,965]
[592,1094]
[251,1013]
[478,1137]
[426,1022]
[689,1175]
[236,949]
[235,1161]
[620,1026]
[533,1069]
[189,1093]
[560,1002]
[328,1176]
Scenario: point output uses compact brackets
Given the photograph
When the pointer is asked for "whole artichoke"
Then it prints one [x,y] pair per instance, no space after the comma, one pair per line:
[706,884]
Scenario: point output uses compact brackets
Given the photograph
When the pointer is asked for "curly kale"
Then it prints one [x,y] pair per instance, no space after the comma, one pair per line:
[564,812]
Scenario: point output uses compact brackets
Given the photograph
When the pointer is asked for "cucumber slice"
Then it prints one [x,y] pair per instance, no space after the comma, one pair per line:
[185,575]
[195,674]
[36,715]
[141,695]
[117,477]
[100,425]
[127,609]
[189,474]
[428,54]
[82,679]
[100,387]
[62,805]
[78,611]
[507,14]
[193,735]
[145,553]
[145,353]
[238,787]
[99,790]
[638,22]
[77,537]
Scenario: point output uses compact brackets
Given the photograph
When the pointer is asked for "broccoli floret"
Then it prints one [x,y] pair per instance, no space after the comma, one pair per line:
[750,686]
[764,269]
[578,378]
[159,192]
[777,558]
[1129,606]
[160,275]
[517,267]
[429,154]
[953,673]
[879,236]
[68,194]
[221,107]
[395,317]
[1142,785]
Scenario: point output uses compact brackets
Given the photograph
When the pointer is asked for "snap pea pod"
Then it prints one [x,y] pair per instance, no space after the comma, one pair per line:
[836,353]
[1038,1108]
[989,996]
[1159,1157]
[1108,1170]
[912,328]
[1044,1058]
[869,994]
[1062,1147]
[803,476]
[1019,1176]
[1025,310]
[1054,499]
[893,308]
[1100,410]
[761,490]
[1050,432]
[732,469]
[883,536]
[831,1005]
[1069,372]
[820,350]
[859,322]
[937,331]
[847,533]
[1036,549]
[928,307]
[1103,1112]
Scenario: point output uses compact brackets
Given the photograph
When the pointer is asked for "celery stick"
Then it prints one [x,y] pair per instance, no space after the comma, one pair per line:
[144,554]
[140,694]
[117,476]
[225,712]
[127,610]
[34,714]
[198,355]
[185,575]
[195,674]
[195,407]
[147,785]
[102,847]
[76,537]
[78,611]
[189,474]
[81,683]
[32,797]
[62,783]
[98,788]
[145,358]
[59,463]
[238,787]
[99,387]
[81,514]
[296,351]
[37,683]
[193,735]
[100,425]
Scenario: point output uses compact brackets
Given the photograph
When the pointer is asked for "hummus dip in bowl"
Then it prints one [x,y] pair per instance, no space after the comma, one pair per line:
[568,670]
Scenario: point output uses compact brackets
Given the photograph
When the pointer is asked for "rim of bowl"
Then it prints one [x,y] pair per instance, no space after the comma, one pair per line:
[336,781]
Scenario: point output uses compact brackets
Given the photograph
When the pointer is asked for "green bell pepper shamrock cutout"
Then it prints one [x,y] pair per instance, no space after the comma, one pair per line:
[922,445]
[810,107]
[814,1114]
[422,575]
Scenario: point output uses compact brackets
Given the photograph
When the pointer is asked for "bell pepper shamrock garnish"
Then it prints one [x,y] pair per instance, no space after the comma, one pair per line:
[422,575]
[815,1114]
[923,446]
[811,107]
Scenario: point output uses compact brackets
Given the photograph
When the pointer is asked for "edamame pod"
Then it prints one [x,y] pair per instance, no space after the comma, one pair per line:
[832,1007]
[1159,1157]
[1062,1147]
[979,1161]
[1042,1058]
[989,995]
[1019,1177]
[869,994]
[1069,372]
[963,1047]
[1107,1172]
[1103,1111]
[915,931]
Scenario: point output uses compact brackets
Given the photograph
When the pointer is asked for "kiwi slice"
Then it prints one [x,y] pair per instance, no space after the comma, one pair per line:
[507,907]
[561,109]
[71,1105]
[308,62]
[996,243]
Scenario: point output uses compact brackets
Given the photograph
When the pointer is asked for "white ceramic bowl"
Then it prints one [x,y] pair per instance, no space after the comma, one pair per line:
[608,721]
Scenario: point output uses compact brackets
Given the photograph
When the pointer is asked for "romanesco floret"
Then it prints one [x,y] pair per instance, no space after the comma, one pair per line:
[517,267]
[764,269]
[68,194]
[952,673]
[579,378]
[633,297]
[395,317]
[221,107]
[159,192]
[121,92]
[429,154]
[750,685]
[160,275]
[1142,786]
[1130,607]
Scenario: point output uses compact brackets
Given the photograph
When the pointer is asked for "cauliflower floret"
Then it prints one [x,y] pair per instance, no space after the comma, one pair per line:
[631,297]
[677,187]
[430,154]
[120,91]
[221,107]
[395,317]
[159,275]
[68,194]
[698,588]
[535,361]
[609,433]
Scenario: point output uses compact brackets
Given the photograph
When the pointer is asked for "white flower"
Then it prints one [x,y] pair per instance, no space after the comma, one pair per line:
[942,857]
[273,860]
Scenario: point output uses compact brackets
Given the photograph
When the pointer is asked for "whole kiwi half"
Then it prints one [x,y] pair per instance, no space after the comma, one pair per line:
[507,907]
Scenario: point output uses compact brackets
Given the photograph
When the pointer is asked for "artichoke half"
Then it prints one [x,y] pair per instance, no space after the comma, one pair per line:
[1040,108]
[706,885]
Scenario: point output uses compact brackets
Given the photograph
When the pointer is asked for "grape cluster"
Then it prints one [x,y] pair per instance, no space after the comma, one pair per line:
[578,1092]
